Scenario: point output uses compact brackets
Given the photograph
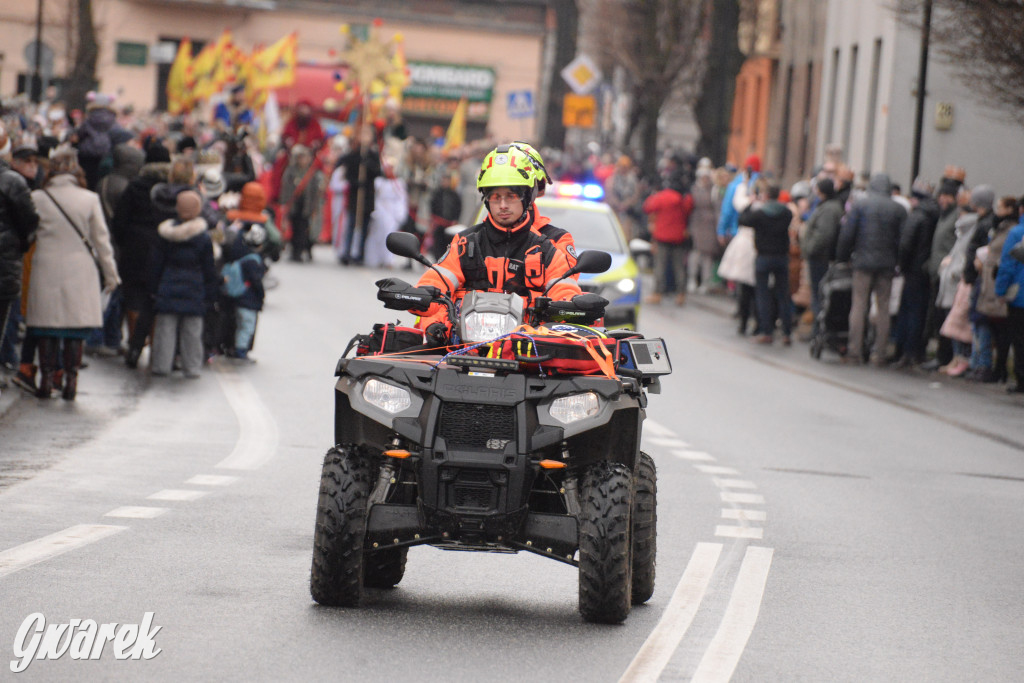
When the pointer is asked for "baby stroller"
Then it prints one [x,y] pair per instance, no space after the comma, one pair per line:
[832,325]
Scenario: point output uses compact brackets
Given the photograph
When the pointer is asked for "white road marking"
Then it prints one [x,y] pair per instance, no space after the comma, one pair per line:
[746,498]
[666,442]
[53,545]
[716,469]
[136,512]
[740,513]
[722,656]
[657,650]
[734,483]
[657,428]
[693,455]
[212,480]
[177,494]
[258,434]
[739,531]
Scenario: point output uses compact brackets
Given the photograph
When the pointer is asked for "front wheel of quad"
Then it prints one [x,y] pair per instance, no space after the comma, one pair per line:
[336,578]
[384,568]
[605,562]
[645,527]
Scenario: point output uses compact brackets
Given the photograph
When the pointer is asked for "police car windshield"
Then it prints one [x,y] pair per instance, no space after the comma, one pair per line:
[591,229]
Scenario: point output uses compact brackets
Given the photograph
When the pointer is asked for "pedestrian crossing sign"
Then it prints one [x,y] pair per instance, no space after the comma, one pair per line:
[520,104]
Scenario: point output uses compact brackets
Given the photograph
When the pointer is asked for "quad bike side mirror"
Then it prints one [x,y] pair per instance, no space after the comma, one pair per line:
[590,261]
[407,245]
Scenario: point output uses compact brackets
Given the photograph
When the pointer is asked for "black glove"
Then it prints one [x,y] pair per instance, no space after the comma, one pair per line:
[437,334]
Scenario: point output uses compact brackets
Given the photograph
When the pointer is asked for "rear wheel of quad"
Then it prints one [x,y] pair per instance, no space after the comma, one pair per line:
[384,568]
[336,578]
[644,527]
[605,562]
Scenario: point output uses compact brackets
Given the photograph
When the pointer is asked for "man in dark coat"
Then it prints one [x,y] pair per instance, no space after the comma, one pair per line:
[770,221]
[362,166]
[18,223]
[134,230]
[915,250]
[821,233]
[869,240]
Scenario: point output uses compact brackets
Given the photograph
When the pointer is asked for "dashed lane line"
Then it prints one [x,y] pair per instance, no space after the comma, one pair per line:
[41,549]
[734,483]
[136,512]
[693,455]
[257,443]
[716,469]
[177,494]
[657,429]
[744,514]
[720,659]
[742,498]
[657,650]
[212,480]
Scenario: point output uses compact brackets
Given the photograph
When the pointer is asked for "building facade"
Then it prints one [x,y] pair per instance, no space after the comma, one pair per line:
[760,41]
[868,104]
[791,143]
[506,40]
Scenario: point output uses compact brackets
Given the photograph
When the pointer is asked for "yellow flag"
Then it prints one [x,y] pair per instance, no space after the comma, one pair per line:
[456,135]
[275,65]
[178,99]
[203,74]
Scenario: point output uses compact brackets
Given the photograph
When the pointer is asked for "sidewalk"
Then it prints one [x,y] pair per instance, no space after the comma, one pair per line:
[724,305]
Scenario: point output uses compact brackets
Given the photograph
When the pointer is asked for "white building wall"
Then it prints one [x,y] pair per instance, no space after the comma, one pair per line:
[981,138]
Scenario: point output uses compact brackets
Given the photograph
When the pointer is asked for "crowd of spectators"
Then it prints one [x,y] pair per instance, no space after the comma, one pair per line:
[939,260]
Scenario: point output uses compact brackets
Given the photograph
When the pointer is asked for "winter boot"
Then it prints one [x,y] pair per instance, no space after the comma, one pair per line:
[72,361]
[47,350]
[26,378]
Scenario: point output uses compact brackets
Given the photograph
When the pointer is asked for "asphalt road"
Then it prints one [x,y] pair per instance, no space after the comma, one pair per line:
[817,522]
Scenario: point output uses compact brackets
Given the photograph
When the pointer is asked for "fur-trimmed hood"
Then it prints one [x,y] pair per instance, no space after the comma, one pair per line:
[173,231]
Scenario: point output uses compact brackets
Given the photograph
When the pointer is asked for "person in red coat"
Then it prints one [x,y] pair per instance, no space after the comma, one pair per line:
[669,211]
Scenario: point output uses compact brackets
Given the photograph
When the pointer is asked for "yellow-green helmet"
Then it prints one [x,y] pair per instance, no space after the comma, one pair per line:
[507,166]
[543,177]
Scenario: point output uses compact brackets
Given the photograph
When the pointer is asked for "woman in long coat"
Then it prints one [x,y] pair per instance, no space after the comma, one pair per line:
[64,302]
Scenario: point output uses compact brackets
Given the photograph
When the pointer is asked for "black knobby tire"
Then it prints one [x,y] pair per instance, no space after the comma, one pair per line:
[336,578]
[384,568]
[645,527]
[605,566]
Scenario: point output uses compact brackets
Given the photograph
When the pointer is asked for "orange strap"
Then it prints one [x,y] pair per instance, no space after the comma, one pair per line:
[604,359]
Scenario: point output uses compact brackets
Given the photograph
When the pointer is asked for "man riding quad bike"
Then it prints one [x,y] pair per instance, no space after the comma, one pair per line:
[495,425]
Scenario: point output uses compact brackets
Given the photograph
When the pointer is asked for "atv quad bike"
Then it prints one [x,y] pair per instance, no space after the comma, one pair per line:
[509,438]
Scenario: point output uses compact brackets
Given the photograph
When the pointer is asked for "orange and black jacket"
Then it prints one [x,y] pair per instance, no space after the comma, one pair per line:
[489,258]
[562,238]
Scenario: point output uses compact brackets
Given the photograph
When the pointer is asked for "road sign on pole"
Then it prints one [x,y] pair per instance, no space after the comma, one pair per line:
[582,74]
[520,104]
[579,111]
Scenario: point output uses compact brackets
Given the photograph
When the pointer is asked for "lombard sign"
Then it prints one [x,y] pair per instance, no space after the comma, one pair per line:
[435,89]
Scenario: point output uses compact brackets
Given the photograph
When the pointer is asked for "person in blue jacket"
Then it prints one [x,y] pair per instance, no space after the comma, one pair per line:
[743,185]
[1010,286]
[246,247]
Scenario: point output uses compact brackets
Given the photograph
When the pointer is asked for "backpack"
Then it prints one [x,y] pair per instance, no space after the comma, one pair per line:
[231,274]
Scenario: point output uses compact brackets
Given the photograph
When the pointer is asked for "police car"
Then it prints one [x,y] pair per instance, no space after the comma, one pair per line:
[580,209]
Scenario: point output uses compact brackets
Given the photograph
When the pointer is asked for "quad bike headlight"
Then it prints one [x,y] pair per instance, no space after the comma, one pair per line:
[482,326]
[386,396]
[569,409]
[488,315]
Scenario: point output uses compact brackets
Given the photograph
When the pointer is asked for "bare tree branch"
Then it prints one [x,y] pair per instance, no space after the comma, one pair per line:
[984,42]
